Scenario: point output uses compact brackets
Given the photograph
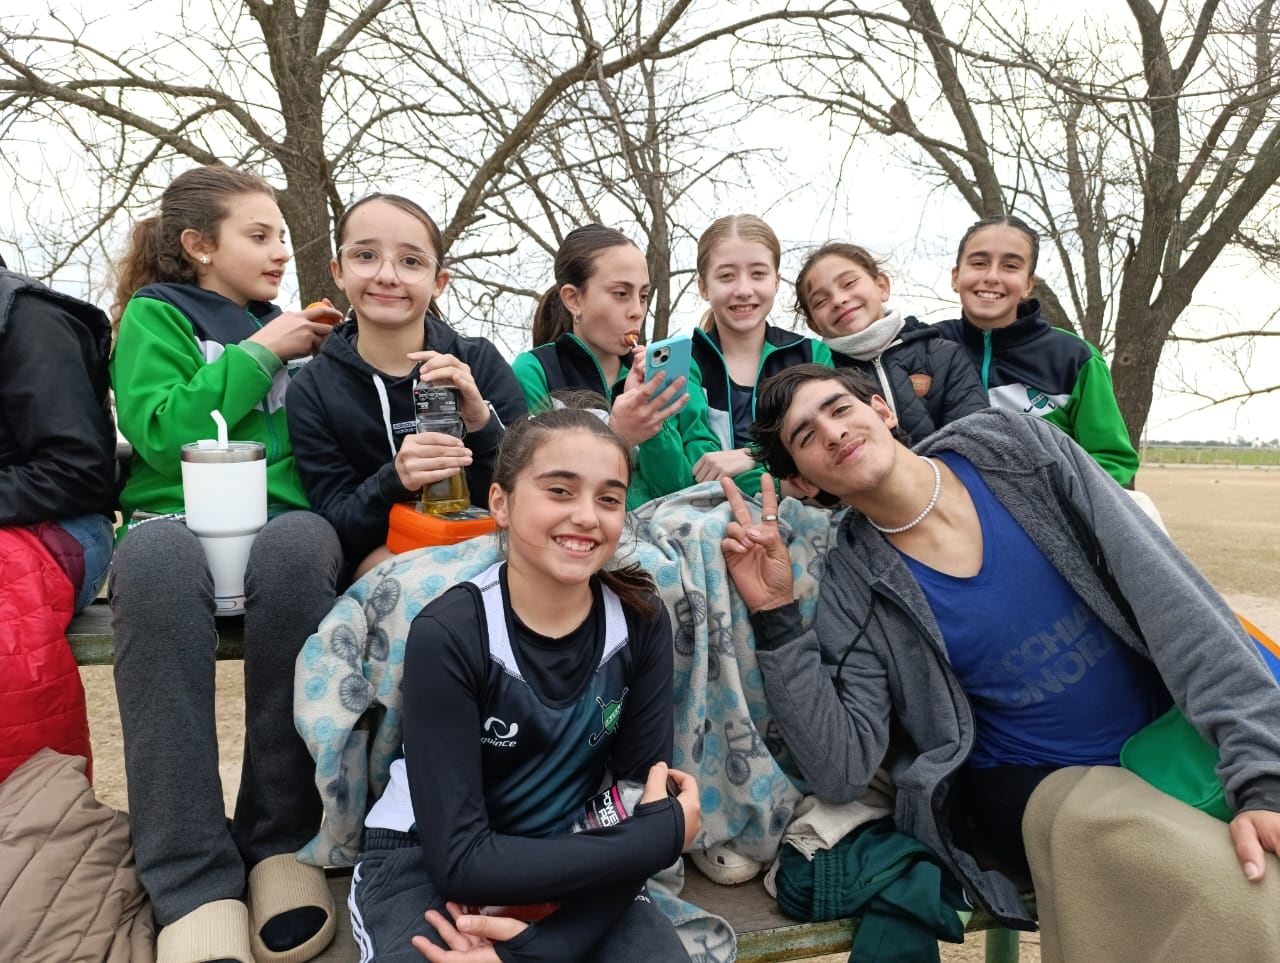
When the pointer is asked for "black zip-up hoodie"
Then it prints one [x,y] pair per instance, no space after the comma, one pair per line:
[57,444]
[347,421]
[931,380]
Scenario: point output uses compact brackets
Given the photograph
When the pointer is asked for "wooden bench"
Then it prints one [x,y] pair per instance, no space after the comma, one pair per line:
[93,644]
[764,934]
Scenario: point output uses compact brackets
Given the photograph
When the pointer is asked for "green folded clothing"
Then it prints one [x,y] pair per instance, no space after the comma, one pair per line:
[906,900]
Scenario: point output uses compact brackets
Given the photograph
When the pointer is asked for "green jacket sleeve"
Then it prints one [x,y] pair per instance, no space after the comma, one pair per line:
[165,389]
[1092,418]
[661,466]
[532,379]
[692,422]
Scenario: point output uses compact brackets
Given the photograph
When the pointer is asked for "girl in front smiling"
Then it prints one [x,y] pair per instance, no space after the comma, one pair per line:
[526,689]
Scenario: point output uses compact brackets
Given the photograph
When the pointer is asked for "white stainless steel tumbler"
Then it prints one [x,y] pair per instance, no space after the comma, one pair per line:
[225,490]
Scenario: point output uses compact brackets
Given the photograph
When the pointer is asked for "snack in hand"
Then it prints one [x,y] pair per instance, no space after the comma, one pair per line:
[323,304]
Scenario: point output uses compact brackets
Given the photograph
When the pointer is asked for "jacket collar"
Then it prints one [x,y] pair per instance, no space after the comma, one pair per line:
[212,316]
[1027,326]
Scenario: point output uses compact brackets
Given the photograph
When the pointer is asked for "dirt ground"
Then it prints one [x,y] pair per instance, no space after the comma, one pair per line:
[1227,520]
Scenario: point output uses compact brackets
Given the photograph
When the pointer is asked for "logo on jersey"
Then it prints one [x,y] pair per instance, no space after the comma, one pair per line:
[499,734]
[610,716]
[1038,401]
[1026,399]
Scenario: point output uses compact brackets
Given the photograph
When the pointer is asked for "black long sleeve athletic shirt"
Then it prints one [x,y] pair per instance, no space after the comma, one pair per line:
[508,733]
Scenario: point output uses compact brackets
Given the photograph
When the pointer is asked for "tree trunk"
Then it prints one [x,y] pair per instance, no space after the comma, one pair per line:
[303,205]
[293,43]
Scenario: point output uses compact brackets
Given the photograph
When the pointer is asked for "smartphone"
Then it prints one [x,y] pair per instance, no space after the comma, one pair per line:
[667,360]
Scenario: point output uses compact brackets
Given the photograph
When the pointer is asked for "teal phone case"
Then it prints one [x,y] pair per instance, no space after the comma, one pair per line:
[668,359]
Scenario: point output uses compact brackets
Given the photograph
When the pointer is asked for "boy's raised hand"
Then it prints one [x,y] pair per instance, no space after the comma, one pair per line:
[758,561]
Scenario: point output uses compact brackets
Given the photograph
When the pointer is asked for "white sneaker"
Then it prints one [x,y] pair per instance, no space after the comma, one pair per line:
[722,865]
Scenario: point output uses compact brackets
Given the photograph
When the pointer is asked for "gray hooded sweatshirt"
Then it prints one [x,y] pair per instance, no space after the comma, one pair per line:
[898,696]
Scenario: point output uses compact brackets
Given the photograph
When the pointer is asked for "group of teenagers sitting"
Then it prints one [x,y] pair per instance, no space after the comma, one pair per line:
[1006,524]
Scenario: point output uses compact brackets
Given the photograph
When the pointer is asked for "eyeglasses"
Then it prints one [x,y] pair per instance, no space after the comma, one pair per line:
[366,262]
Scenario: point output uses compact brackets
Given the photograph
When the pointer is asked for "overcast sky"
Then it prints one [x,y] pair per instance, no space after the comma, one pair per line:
[887,209]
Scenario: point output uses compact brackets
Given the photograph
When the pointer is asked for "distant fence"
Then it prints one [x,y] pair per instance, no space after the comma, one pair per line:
[1211,455]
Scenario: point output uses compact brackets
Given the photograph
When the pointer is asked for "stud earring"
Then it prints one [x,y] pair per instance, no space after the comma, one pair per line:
[204,259]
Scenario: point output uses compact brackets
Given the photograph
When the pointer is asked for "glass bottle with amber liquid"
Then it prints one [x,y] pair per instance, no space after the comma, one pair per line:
[437,410]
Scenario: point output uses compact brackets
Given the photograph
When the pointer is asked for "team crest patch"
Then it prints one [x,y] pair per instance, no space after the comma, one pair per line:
[610,716]
[921,383]
[1038,401]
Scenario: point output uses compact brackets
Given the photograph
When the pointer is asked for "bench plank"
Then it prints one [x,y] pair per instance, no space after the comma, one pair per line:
[92,642]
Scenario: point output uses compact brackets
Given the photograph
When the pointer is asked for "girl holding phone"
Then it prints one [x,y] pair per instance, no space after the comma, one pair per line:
[586,332]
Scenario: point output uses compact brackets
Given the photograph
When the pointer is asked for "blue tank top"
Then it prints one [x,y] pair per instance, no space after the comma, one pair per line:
[1050,684]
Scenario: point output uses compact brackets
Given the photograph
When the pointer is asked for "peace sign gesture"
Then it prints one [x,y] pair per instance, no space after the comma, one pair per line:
[758,561]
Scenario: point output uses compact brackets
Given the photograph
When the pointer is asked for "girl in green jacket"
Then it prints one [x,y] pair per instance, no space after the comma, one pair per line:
[736,348]
[586,332]
[198,332]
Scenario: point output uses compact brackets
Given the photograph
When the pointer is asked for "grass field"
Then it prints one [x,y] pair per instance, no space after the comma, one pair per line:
[1211,456]
[1226,519]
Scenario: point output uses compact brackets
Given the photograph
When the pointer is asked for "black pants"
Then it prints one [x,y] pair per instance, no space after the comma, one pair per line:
[986,813]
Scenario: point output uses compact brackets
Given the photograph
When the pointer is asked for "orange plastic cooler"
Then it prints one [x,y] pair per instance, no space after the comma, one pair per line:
[411,528]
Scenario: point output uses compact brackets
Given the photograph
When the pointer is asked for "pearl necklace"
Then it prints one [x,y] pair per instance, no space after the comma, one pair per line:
[937,488]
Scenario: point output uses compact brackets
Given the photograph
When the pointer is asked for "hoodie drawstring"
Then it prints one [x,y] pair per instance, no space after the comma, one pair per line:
[385,403]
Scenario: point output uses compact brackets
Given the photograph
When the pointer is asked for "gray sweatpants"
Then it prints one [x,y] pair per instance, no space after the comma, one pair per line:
[390,892]
[162,616]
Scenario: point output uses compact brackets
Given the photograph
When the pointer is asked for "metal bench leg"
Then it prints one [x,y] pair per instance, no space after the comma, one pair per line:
[1002,946]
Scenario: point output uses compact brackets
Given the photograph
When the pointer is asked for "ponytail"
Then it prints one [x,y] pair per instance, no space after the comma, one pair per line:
[550,318]
[145,262]
[708,322]
[634,587]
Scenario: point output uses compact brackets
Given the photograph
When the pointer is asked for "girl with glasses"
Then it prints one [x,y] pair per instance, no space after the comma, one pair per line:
[351,410]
